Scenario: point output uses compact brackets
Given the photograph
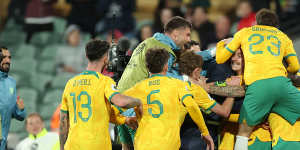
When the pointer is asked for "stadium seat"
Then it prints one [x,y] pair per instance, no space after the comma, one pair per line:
[60,80]
[26,51]
[60,25]
[85,37]
[53,96]
[25,67]
[51,100]
[39,81]
[16,126]
[16,76]
[49,52]
[47,66]
[13,37]
[30,97]
[47,124]
[41,39]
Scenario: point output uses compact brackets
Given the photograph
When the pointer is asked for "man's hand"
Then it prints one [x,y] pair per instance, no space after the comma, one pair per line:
[20,103]
[234,80]
[139,111]
[131,122]
[201,81]
[209,141]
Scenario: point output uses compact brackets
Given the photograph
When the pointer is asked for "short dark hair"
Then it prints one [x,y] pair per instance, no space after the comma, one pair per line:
[188,62]
[35,114]
[191,43]
[267,17]
[3,47]
[156,58]
[175,23]
[96,49]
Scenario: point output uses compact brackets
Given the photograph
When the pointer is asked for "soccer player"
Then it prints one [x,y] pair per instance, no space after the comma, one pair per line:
[85,108]
[268,89]
[190,64]
[162,99]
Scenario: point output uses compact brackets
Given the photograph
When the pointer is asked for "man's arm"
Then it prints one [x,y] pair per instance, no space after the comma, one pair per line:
[63,129]
[197,117]
[290,57]
[224,109]
[195,114]
[19,112]
[223,53]
[125,101]
[227,91]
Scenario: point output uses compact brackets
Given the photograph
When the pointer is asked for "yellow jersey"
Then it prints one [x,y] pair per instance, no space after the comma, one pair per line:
[202,98]
[162,98]
[86,99]
[264,48]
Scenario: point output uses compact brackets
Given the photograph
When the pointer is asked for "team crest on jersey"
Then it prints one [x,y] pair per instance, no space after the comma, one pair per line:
[113,87]
[11,90]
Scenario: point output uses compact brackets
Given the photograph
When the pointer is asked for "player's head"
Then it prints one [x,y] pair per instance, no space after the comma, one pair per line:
[97,50]
[5,59]
[157,60]
[179,30]
[237,62]
[267,17]
[34,123]
[190,64]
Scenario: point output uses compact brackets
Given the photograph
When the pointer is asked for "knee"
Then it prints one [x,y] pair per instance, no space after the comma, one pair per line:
[245,130]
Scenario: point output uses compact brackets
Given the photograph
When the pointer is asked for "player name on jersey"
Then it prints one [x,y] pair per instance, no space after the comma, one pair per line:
[81,82]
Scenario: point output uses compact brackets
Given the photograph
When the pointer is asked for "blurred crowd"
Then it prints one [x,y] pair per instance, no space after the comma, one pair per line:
[137,20]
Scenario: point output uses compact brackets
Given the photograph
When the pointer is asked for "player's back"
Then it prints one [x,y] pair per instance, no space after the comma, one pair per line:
[159,126]
[86,97]
[264,48]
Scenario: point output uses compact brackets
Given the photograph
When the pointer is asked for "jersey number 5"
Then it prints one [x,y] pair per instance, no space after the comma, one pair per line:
[86,106]
[155,102]
[260,40]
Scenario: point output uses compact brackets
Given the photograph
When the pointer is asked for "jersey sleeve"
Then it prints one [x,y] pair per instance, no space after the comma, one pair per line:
[192,108]
[110,89]
[202,98]
[116,117]
[195,114]
[291,57]
[64,101]
[223,53]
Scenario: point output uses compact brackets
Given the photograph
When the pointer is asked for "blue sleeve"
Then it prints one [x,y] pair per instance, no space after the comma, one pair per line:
[206,54]
[173,70]
[19,114]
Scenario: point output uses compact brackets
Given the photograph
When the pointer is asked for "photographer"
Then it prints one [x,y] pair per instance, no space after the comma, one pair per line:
[11,106]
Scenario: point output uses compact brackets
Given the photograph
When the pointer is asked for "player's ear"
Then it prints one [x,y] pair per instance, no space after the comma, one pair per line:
[165,68]
[196,73]
[105,58]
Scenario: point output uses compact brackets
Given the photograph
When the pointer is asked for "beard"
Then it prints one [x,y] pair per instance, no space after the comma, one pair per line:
[5,67]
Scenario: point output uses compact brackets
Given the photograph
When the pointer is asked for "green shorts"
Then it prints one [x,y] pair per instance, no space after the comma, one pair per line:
[286,145]
[124,135]
[259,145]
[270,95]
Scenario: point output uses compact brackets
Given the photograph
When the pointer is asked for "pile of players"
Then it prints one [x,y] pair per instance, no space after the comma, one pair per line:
[162,84]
